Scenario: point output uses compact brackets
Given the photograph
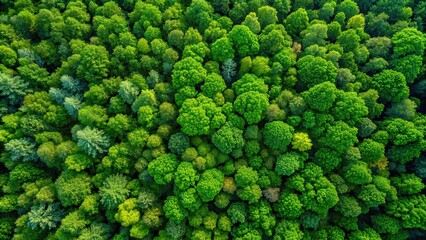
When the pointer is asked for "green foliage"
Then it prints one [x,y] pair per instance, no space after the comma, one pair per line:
[126,214]
[410,210]
[92,141]
[222,50]
[289,205]
[371,151]
[339,137]
[244,40]
[228,138]
[277,135]
[174,210]
[210,184]
[72,188]
[178,143]
[408,41]
[301,142]
[314,70]
[288,163]
[113,191]
[296,22]
[162,168]
[408,184]
[45,216]
[22,149]
[13,88]
[187,72]
[321,97]
[94,63]
[386,83]
[243,119]
[199,116]
[185,176]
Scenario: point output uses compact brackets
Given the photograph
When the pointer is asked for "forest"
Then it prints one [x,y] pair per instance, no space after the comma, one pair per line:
[221,119]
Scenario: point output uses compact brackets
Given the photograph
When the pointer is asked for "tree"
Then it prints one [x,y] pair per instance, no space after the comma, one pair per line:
[199,13]
[93,116]
[228,138]
[178,143]
[408,184]
[288,163]
[409,210]
[288,229]
[94,64]
[379,46]
[368,233]
[128,91]
[349,40]
[301,141]
[13,88]
[252,105]
[348,206]
[249,82]
[349,108]
[113,191]
[386,83]
[339,137]
[401,132]
[288,205]
[72,188]
[45,216]
[408,41]
[22,149]
[372,196]
[199,116]
[245,176]
[173,210]
[395,9]
[314,34]
[348,7]
[229,70]
[409,66]
[252,22]
[277,135]
[273,39]
[286,57]
[162,168]
[371,151]
[78,162]
[145,12]
[185,176]
[127,214]
[244,40]
[95,231]
[405,109]
[213,84]
[321,96]
[92,141]
[310,68]
[357,173]
[190,199]
[385,224]
[296,22]
[210,184]
[267,15]
[251,193]
[312,176]
[222,50]
[370,98]
[187,72]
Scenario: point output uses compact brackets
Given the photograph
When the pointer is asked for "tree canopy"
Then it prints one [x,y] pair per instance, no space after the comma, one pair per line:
[222,119]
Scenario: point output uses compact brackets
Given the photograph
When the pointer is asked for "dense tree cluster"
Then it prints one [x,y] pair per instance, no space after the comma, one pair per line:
[223,119]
